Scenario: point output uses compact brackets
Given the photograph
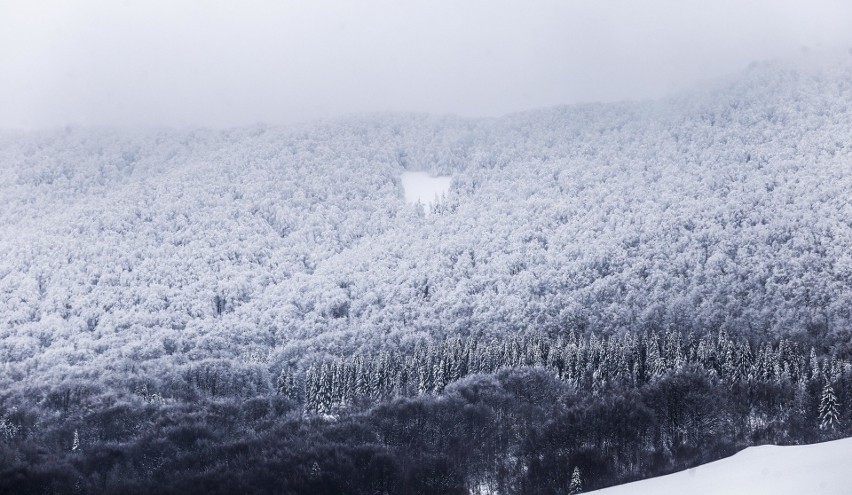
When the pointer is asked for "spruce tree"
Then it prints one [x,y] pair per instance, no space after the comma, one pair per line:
[362,386]
[828,409]
[816,370]
[439,376]
[576,485]
[324,395]
[287,384]
[337,385]
[654,363]
[311,385]
[424,377]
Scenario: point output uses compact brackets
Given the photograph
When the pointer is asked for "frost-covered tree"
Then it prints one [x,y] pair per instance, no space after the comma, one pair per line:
[286,384]
[325,389]
[311,393]
[576,484]
[828,409]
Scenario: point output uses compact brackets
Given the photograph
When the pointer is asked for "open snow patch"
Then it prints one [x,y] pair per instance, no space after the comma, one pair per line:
[422,188]
[822,468]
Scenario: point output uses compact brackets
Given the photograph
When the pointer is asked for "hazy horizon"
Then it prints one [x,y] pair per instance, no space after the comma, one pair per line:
[99,63]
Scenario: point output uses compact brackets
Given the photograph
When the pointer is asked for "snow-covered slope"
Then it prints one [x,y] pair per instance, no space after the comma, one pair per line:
[822,469]
[722,210]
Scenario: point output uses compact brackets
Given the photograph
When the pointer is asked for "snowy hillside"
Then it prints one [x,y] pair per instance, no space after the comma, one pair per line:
[767,470]
[724,210]
[624,290]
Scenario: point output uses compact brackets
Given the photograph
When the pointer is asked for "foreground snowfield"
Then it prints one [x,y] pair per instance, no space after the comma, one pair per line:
[806,469]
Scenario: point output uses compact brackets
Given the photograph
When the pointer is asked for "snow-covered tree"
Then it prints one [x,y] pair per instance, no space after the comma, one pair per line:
[286,384]
[828,409]
[576,484]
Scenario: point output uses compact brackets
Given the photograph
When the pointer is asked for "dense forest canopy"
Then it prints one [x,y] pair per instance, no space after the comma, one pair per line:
[634,258]
[724,210]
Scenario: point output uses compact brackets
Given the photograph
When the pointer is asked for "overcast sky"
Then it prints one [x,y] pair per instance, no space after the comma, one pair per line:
[178,63]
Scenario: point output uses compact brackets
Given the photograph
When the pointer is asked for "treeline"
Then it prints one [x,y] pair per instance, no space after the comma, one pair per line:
[592,364]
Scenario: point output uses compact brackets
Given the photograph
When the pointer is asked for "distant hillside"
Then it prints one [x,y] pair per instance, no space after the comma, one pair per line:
[125,253]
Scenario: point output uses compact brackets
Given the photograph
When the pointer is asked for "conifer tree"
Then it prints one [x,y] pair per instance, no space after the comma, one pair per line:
[569,359]
[494,358]
[438,375]
[828,409]
[287,384]
[311,389]
[455,366]
[350,378]
[655,364]
[325,394]
[424,382]
[361,381]
[816,371]
[704,353]
[374,379]
[576,485]
[554,364]
[337,385]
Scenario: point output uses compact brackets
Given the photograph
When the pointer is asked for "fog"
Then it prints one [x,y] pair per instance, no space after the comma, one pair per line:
[161,62]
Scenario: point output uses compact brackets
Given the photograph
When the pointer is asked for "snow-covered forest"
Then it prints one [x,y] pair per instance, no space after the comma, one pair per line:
[609,253]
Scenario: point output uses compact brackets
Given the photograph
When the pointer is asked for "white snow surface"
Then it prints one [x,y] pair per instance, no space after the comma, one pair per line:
[423,188]
[822,469]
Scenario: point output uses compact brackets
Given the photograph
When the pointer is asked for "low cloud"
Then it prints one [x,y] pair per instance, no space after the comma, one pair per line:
[215,64]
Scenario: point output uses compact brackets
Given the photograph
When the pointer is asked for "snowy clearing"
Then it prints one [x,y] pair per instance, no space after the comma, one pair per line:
[423,188]
[794,470]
